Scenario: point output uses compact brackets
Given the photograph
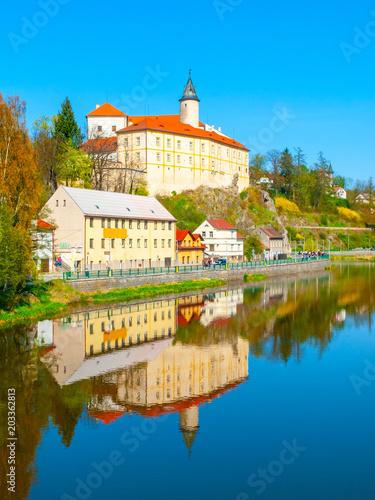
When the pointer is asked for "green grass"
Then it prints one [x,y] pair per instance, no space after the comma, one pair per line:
[57,296]
[254,277]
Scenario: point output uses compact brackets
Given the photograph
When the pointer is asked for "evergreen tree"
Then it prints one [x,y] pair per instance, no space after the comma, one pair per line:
[66,128]
[287,171]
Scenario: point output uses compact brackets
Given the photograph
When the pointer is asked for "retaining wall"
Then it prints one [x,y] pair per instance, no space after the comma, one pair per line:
[90,285]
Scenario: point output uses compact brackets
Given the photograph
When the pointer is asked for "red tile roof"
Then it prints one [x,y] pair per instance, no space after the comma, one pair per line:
[171,123]
[220,224]
[106,110]
[181,234]
[239,236]
[101,145]
[42,224]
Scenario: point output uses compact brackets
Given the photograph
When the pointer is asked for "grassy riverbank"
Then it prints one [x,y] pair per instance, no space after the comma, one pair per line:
[254,277]
[353,258]
[49,299]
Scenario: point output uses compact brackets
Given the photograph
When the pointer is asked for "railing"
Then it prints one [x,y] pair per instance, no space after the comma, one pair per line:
[141,271]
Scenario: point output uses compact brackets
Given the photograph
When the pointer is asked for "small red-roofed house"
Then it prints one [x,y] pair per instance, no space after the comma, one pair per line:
[190,247]
[222,240]
[339,192]
[43,240]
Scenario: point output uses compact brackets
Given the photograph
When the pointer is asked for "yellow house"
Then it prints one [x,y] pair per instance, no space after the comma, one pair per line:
[190,247]
[98,230]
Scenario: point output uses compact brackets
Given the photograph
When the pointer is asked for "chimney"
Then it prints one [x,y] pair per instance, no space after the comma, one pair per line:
[97,106]
[219,129]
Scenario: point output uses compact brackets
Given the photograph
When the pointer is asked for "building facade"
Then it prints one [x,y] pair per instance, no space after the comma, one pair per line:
[190,247]
[175,152]
[273,243]
[43,240]
[98,230]
[222,240]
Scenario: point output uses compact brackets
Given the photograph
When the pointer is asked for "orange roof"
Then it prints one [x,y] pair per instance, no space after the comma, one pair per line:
[239,236]
[220,224]
[171,123]
[106,110]
[181,234]
[42,224]
[100,145]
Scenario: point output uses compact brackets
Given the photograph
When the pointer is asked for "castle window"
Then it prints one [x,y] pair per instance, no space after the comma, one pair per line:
[127,156]
[227,152]
[126,142]
[203,146]
[138,156]
[168,143]
[168,157]
[178,144]
[138,141]
[191,145]
[113,128]
[158,141]
[185,105]
[158,156]
[190,160]
[202,161]
[178,158]
[100,128]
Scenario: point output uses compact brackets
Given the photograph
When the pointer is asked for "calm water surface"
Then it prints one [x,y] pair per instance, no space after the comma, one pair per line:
[266,392]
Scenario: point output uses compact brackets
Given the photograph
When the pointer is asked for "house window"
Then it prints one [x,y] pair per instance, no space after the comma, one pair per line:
[168,143]
[239,169]
[130,224]
[145,224]
[103,243]
[103,222]
[123,243]
[57,203]
[155,243]
[130,321]
[64,203]
[190,160]
[169,225]
[204,234]
[108,222]
[168,157]
[158,156]
[113,243]
[155,225]
[145,243]
[138,156]
[123,223]
[138,243]
[138,224]
[163,225]
[203,146]
[178,158]
[91,242]
[178,144]
[91,222]
[138,141]
[211,234]
[191,145]
[158,141]
[130,243]
[100,128]
[116,223]
[113,128]
[155,316]
[162,243]
[169,243]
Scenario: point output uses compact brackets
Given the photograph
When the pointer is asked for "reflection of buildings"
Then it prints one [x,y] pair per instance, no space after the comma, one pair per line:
[221,307]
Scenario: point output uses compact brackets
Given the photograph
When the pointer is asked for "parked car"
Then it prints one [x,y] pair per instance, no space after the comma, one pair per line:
[221,261]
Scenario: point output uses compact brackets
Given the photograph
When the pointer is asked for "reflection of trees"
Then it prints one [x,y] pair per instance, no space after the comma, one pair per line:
[38,399]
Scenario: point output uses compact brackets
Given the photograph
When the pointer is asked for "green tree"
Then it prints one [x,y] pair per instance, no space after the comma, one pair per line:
[257,165]
[45,146]
[66,128]
[74,166]
[251,243]
[287,171]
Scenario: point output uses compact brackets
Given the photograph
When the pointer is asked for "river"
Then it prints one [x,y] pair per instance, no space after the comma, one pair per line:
[262,391]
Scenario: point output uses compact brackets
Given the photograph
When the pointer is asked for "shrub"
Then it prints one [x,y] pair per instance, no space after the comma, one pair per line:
[323,220]
[286,206]
[348,214]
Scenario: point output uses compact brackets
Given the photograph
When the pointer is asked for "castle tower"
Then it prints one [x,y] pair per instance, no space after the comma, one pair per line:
[189,105]
[189,425]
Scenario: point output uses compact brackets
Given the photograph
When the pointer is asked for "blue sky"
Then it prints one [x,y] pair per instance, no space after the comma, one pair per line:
[252,63]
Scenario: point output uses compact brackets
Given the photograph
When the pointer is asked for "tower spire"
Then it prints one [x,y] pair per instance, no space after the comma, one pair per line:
[189,91]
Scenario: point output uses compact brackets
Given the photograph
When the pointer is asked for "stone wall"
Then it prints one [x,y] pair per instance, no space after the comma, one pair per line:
[229,275]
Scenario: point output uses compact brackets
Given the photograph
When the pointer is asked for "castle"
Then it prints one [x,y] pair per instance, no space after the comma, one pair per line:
[171,152]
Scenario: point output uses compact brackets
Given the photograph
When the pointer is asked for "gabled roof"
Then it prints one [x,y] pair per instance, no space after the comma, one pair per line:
[106,110]
[182,233]
[336,189]
[42,224]
[240,237]
[106,204]
[220,224]
[172,124]
[271,232]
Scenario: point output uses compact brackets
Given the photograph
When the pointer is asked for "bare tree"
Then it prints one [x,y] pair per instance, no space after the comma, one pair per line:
[131,173]
[103,154]
[45,145]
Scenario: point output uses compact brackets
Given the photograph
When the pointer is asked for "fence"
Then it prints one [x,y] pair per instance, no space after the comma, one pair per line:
[181,269]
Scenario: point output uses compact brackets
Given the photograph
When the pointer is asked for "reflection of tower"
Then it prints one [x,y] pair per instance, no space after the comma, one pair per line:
[189,425]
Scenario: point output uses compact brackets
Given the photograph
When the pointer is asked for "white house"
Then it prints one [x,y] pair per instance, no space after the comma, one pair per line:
[43,244]
[339,192]
[222,240]
[363,198]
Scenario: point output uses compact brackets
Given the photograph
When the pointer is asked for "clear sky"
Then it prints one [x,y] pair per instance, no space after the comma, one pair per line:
[271,74]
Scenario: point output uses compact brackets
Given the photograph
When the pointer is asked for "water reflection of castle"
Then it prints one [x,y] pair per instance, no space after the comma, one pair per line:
[152,374]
